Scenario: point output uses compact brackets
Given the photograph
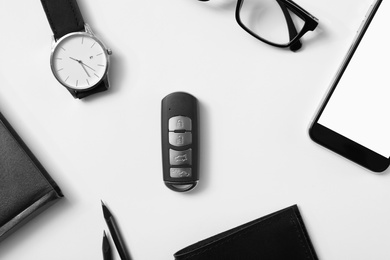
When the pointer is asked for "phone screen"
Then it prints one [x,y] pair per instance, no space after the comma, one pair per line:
[359,107]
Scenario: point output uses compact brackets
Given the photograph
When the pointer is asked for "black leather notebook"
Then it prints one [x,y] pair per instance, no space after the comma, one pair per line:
[26,188]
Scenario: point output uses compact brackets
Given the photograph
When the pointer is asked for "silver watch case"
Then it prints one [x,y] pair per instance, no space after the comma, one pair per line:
[88,32]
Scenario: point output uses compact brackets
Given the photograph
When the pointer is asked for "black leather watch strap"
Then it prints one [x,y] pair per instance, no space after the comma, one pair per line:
[64,16]
[102,86]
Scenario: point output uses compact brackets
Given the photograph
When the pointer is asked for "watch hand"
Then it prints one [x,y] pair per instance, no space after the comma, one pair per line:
[84,69]
[86,65]
[79,61]
[82,65]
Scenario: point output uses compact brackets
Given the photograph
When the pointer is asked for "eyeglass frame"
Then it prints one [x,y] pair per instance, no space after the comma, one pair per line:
[310,23]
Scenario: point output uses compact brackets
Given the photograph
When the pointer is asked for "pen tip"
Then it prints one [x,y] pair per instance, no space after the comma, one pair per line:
[102,202]
[105,245]
[106,212]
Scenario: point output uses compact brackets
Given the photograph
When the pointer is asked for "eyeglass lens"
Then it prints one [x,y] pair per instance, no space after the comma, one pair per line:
[268,20]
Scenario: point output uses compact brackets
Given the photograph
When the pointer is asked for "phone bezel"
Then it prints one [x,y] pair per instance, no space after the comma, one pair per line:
[331,139]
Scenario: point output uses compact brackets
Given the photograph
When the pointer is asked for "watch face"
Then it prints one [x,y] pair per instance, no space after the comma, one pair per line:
[79,61]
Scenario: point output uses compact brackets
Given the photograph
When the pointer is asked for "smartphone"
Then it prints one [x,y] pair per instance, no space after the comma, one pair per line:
[354,118]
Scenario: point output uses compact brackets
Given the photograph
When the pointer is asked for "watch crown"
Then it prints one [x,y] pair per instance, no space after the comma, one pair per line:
[109,51]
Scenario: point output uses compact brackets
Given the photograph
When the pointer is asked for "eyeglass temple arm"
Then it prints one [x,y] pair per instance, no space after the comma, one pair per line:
[291,27]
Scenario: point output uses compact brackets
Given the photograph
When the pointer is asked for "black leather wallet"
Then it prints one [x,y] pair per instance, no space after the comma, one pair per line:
[26,188]
[279,236]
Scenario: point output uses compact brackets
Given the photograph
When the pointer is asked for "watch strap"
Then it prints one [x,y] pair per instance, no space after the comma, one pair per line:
[64,16]
[100,87]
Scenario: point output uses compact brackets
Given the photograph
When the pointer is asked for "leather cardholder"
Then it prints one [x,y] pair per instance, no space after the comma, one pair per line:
[26,189]
[278,236]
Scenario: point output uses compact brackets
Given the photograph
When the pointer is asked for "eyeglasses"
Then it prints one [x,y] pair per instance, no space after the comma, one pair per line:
[266,20]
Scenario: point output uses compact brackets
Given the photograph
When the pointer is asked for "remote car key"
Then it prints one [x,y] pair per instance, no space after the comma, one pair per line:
[180,141]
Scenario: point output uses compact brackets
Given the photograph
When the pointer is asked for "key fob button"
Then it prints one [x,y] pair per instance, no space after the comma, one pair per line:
[180,157]
[180,172]
[178,123]
[180,139]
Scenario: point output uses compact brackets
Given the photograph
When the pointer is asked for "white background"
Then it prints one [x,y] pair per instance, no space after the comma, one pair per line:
[256,103]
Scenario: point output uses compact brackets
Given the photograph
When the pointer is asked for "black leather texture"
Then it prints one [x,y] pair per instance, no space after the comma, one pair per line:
[102,86]
[64,16]
[25,186]
[279,236]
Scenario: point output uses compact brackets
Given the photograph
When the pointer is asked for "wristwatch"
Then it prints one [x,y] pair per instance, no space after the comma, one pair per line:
[78,60]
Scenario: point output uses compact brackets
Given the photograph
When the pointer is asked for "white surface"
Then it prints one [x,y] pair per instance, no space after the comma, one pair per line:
[360,103]
[256,103]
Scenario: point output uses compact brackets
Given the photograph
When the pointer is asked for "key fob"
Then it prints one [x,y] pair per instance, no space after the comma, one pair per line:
[180,141]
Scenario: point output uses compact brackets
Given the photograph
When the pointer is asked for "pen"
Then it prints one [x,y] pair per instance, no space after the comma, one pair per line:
[115,234]
[106,248]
